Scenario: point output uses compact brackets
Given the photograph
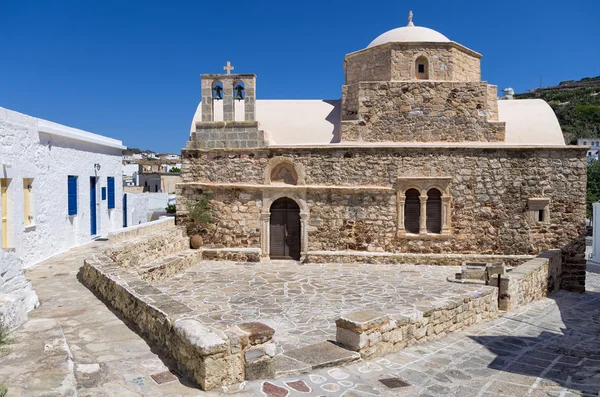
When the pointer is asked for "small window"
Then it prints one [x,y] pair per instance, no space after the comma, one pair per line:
[421,68]
[111,192]
[584,143]
[72,194]
[541,216]
[28,202]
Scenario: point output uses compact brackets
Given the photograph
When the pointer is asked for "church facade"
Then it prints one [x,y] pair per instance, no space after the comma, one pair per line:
[419,157]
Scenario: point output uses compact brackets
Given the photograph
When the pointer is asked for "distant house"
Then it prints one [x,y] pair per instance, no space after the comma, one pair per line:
[594,143]
[170,156]
[159,182]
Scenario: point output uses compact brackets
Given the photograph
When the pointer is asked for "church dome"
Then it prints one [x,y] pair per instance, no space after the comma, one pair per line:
[410,34]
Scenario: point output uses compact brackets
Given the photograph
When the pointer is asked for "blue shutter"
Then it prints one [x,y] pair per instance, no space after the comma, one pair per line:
[111,192]
[72,189]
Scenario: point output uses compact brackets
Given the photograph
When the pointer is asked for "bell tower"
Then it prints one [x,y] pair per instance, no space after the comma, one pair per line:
[228,112]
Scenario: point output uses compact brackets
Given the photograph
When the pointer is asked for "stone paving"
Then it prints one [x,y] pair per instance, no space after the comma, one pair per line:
[74,345]
[302,302]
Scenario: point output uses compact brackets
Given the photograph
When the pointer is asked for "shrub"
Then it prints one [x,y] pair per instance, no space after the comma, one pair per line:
[4,339]
[199,213]
[171,209]
[175,170]
[3,390]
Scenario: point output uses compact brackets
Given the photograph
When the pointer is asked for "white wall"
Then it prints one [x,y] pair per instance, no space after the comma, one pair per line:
[48,153]
[141,206]
[132,171]
[595,258]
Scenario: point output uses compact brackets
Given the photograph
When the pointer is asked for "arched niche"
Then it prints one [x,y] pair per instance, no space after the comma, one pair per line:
[283,171]
[422,68]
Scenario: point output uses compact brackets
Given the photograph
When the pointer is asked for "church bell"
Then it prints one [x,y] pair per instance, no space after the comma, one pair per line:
[239,95]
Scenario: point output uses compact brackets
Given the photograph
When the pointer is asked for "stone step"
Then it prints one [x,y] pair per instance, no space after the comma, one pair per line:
[287,366]
[324,354]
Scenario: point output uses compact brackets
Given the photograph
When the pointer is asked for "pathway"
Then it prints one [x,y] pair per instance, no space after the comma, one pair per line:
[74,345]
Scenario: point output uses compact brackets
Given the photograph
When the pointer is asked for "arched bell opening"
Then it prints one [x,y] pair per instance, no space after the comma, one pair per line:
[285,229]
[239,100]
[217,98]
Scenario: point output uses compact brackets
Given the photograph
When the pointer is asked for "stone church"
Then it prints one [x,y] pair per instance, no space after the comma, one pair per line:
[416,163]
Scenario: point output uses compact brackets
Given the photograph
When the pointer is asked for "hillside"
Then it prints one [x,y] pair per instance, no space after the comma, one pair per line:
[576,104]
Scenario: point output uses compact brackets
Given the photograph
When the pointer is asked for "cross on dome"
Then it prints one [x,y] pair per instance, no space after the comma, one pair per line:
[228,67]
[410,17]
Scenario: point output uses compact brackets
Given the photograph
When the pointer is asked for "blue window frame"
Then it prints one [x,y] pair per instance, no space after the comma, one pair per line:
[72,194]
[111,192]
[103,193]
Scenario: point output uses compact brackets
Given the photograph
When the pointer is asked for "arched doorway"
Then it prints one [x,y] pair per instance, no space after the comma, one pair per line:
[284,235]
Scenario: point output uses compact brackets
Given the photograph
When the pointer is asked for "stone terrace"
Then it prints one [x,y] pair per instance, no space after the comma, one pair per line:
[302,302]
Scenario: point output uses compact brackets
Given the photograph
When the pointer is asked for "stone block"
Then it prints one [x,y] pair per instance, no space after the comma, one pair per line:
[257,332]
[351,339]
[204,339]
[362,320]
[263,368]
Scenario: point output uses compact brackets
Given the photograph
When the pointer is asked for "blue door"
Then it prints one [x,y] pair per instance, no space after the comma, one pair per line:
[125,210]
[93,230]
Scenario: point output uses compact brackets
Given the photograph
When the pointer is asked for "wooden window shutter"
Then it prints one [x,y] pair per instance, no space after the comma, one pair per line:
[434,211]
[412,211]
[72,194]
[111,192]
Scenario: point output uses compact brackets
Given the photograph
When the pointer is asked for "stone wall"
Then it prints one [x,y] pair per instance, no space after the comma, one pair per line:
[212,358]
[465,66]
[147,247]
[425,111]
[531,281]
[375,334]
[371,65]
[396,62]
[143,229]
[227,134]
[489,189]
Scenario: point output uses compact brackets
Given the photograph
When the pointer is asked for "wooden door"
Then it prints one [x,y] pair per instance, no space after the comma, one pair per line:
[4,193]
[285,230]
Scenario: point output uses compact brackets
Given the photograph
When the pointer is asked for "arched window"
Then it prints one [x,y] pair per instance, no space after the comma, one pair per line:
[412,211]
[434,211]
[284,173]
[422,68]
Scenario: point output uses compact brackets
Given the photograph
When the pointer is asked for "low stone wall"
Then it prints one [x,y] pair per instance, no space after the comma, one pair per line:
[143,229]
[531,281]
[411,259]
[374,333]
[210,357]
[147,247]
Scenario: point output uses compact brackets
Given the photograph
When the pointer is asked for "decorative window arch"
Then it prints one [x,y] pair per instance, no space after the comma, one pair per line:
[282,170]
[423,206]
[422,68]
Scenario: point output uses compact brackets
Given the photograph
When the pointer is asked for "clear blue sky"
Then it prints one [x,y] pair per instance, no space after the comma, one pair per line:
[130,69]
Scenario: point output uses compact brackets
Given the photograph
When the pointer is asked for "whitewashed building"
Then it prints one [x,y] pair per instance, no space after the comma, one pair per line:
[60,187]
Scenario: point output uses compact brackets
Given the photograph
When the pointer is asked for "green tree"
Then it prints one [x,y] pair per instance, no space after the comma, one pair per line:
[593,186]
[175,170]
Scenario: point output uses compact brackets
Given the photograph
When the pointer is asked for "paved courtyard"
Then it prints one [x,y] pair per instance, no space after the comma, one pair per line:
[302,302]
[74,345]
